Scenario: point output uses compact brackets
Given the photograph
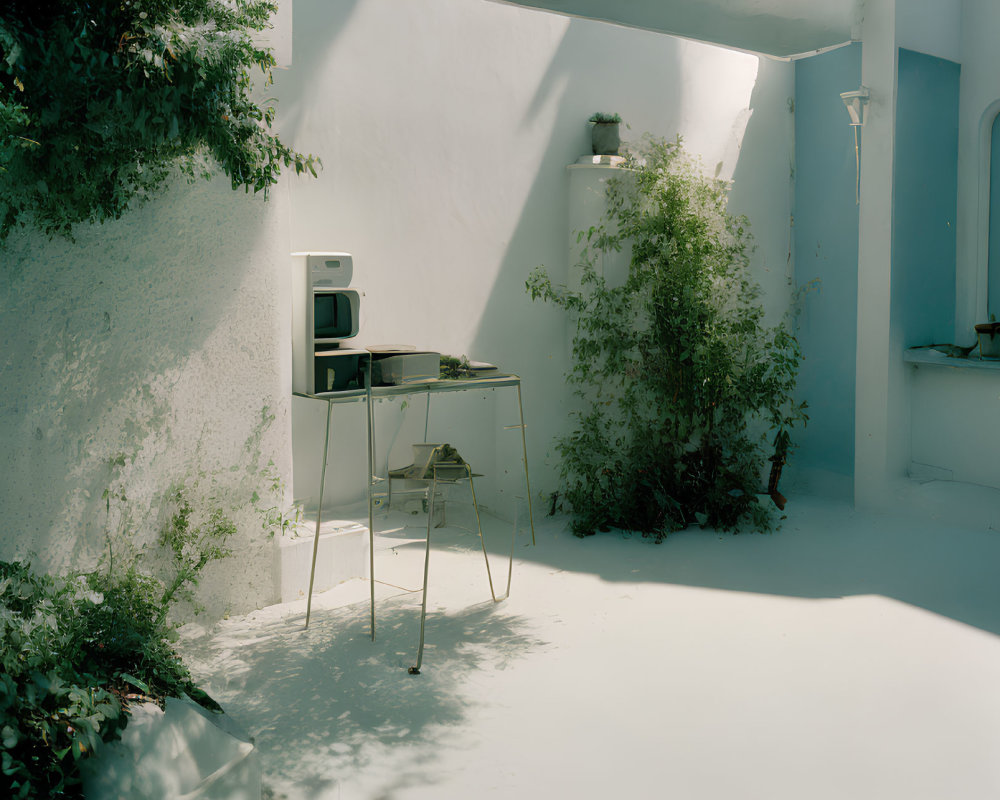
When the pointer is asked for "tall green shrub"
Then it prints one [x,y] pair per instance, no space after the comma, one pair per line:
[685,392]
[100,100]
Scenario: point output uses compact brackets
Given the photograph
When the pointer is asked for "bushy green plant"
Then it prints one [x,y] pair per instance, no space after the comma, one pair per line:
[101,100]
[71,649]
[679,378]
[455,367]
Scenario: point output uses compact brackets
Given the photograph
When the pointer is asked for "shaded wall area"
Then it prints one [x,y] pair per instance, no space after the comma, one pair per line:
[926,192]
[157,341]
[826,266]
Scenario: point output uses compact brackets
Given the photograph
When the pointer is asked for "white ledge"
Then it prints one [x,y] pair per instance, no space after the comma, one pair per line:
[924,356]
[598,162]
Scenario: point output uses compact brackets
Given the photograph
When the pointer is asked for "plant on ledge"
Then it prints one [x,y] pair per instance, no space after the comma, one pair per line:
[100,101]
[685,393]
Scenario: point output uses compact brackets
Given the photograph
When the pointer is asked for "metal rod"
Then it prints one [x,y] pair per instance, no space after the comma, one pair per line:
[415,670]
[482,540]
[427,414]
[371,476]
[524,451]
[319,511]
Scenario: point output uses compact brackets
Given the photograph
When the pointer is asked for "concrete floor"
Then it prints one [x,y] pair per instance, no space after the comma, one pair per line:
[848,655]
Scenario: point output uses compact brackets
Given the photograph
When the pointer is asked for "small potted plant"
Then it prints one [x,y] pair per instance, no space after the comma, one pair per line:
[604,135]
[988,334]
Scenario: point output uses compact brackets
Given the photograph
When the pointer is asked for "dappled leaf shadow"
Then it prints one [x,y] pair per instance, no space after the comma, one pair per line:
[328,701]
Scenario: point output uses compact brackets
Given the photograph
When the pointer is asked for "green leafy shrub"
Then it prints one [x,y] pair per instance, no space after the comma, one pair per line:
[72,649]
[679,378]
[100,101]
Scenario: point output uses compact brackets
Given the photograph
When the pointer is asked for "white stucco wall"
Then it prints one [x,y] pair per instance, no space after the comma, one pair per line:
[159,337]
[445,128]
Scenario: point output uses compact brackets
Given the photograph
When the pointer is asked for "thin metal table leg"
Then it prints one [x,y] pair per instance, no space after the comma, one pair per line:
[524,453]
[482,541]
[415,670]
[371,476]
[319,511]
[427,414]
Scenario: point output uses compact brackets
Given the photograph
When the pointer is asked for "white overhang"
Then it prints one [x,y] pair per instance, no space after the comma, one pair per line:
[782,29]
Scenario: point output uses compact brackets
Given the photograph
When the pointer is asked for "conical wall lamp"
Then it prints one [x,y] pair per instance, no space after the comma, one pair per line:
[856,102]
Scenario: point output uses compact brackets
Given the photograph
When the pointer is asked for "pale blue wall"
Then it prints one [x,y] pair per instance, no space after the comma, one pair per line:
[926,195]
[826,256]
[993,279]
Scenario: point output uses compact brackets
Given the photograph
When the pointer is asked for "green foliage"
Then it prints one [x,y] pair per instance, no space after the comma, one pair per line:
[603,117]
[455,367]
[190,544]
[74,650]
[678,375]
[71,649]
[276,516]
[100,101]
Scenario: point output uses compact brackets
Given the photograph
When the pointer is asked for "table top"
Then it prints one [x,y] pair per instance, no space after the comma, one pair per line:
[414,387]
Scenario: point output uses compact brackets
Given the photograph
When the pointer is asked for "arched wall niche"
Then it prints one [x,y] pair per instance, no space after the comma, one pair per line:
[988,228]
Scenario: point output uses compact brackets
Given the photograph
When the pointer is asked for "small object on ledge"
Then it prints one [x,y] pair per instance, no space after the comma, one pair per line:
[607,161]
[455,368]
[950,350]
[605,139]
[481,368]
[988,335]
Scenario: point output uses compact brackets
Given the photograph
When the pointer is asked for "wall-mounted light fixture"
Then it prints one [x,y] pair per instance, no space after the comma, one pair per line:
[856,102]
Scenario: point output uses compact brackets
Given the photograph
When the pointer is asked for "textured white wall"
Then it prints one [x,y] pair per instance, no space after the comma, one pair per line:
[445,128]
[160,337]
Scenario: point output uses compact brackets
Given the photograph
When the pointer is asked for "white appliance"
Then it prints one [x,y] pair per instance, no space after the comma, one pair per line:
[325,313]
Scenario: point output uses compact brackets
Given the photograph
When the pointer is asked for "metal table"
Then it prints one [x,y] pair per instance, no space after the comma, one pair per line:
[369,394]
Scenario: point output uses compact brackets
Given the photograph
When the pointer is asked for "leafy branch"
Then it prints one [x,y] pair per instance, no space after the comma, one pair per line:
[101,101]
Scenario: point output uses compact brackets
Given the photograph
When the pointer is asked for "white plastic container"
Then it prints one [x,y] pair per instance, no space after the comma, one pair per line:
[407,368]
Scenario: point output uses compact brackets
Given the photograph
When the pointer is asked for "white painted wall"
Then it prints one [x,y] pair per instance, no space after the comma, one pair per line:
[955,436]
[930,26]
[445,128]
[877,391]
[161,337]
[884,390]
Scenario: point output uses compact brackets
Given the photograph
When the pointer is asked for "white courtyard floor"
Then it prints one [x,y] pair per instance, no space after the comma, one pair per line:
[847,655]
